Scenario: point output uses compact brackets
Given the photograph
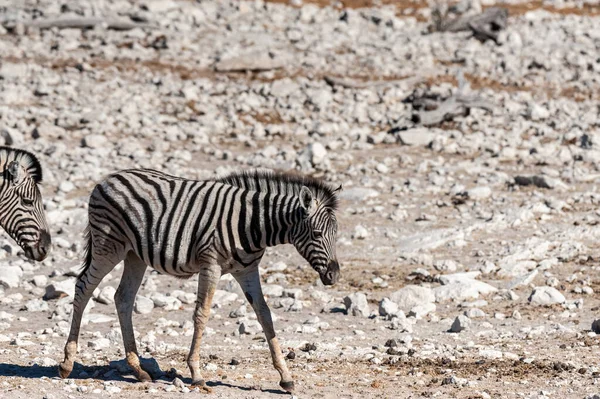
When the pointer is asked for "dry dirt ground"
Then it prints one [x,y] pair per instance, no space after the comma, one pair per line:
[549,351]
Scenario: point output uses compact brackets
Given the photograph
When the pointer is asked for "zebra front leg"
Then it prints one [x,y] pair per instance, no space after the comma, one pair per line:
[133,273]
[87,282]
[249,280]
[208,278]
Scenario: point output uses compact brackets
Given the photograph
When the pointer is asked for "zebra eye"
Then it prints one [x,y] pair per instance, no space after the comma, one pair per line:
[318,233]
[28,201]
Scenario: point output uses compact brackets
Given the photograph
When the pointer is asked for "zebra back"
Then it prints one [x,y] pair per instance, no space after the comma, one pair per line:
[282,183]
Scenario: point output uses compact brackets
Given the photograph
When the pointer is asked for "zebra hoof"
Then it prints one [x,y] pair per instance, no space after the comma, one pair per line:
[64,370]
[287,386]
[201,384]
[143,376]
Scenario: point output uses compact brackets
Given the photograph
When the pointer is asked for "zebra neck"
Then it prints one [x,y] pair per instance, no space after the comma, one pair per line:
[279,215]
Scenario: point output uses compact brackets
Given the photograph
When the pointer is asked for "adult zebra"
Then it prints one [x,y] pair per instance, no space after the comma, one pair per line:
[21,210]
[182,227]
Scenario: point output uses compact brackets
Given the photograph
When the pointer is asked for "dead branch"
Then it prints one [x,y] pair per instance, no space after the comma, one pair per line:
[356,84]
[484,26]
[85,23]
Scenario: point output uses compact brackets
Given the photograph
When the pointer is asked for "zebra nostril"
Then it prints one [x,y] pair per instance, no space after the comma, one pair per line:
[45,241]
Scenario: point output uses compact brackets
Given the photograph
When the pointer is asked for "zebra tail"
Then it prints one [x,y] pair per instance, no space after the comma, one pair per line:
[87,261]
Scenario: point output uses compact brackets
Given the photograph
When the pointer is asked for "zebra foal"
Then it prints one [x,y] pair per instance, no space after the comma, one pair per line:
[21,210]
[183,227]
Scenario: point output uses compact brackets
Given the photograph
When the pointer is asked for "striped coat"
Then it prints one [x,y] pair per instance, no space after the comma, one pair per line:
[183,227]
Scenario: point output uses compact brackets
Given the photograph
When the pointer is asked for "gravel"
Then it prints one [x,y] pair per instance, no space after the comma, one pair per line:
[489,214]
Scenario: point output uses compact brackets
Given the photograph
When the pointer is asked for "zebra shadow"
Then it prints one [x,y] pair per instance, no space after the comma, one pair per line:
[80,372]
[107,373]
[223,384]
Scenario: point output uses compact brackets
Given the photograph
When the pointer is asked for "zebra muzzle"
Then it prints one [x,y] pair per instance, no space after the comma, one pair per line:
[332,273]
[41,249]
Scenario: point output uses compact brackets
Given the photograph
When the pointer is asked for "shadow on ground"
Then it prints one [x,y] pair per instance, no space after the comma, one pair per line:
[107,373]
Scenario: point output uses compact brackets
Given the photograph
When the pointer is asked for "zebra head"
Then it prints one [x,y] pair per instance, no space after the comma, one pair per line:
[316,235]
[21,210]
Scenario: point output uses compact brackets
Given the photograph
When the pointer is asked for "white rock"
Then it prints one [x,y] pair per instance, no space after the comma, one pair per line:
[99,344]
[250,327]
[317,152]
[412,295]
[460,323]
[143,305]
[420,311]
[60,289]
[474,313]
[417,137]
[546,296]
[470,289]
[357,304]
[106,295]
[10,276]
[95,141]
[360,232]
[36,305]
[40,281]
[387,308]
[223,297]
[538,112]
[479,193]
[358,194]
[272,290]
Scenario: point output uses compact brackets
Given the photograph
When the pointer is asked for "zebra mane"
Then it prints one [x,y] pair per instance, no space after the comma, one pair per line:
[282,183]
[25,158]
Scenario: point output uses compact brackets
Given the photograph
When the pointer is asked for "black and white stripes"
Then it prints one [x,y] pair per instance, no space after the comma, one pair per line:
[183,227]
[21,210]
[174,225]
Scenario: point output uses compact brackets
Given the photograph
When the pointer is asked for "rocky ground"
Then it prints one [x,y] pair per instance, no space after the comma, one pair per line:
[469,219]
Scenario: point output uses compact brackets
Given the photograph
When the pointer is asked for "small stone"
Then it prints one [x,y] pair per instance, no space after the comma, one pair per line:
[546,296]
[99,344]
[420,311]
[460,323]
[475,313]
[538,113]
[239,312]
[178,383]
[10,276]
[387,308]
[317,152]
[272,290]
[357,305]
[60,289]
[412,295]
[479,193]
[360,233]
[106,295]
[143,305]
[250,327]
[36,305]
[417,137]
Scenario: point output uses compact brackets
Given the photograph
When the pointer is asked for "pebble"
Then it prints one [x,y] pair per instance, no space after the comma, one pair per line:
[546,296]
[143,305]
[410,296]
[460,323]
[357,305]
[10,276]
[387,308]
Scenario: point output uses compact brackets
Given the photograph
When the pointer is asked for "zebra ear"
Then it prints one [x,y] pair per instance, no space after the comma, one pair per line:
[306,199]
[16,172]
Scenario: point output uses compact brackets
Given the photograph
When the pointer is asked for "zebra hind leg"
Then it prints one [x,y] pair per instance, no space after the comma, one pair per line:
[133,274]
[93,273]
